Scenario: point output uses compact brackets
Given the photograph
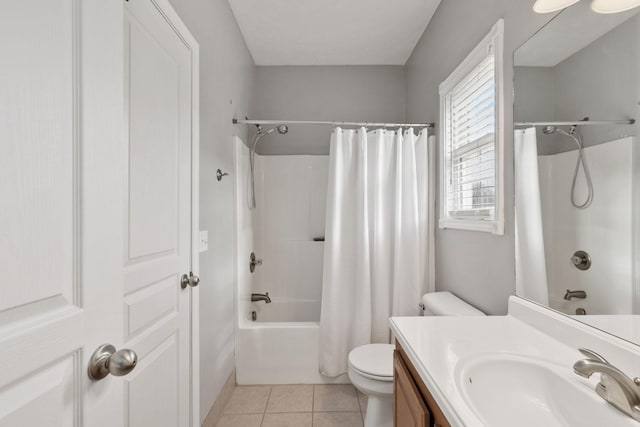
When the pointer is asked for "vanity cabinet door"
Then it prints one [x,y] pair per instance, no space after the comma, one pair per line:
[409,409]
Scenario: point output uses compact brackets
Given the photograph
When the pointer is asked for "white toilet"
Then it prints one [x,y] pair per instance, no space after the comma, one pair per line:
[371,365]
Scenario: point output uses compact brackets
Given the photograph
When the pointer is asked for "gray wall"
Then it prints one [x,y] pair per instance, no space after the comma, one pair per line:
[478,267]
[226,81]
[596,82]
[342,93]
[533,99]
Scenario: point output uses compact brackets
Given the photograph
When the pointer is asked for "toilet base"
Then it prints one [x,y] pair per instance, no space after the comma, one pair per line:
[379,411]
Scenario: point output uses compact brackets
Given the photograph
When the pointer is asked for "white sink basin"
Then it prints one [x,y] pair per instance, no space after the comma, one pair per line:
[511,390]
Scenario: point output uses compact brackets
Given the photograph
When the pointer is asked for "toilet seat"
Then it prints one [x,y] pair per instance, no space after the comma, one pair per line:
[373,361]
[372,377]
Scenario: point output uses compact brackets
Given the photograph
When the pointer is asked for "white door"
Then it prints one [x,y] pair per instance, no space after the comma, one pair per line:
[158,99]
[60,210]
[87,248]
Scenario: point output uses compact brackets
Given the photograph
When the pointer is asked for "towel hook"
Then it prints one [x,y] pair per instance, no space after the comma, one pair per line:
[219,174]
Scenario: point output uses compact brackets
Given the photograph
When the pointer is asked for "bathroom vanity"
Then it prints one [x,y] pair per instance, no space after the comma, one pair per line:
[508,370]
[568,352]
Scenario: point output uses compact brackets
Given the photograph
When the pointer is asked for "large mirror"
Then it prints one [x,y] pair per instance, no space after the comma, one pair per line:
[578,187]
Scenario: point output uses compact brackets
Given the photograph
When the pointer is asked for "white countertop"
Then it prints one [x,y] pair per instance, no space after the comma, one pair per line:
[435,345]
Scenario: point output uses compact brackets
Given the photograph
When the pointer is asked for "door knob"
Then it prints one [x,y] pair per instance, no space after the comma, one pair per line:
[189,280]
[106,360]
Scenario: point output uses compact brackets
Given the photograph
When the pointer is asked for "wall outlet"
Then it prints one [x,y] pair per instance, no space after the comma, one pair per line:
[204,240]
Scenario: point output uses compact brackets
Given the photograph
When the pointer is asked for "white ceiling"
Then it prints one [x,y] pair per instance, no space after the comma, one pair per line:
[332,32]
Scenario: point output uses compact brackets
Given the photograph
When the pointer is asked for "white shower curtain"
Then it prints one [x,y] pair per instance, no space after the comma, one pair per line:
[531,270]
[378,241]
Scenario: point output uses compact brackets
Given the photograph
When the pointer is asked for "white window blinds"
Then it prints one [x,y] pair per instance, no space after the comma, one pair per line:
[470,143]
[472,139]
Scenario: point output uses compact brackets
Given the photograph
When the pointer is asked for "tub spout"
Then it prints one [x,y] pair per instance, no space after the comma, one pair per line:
[574,294]
[261,297]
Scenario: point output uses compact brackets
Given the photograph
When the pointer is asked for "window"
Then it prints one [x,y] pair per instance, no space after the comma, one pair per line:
[472,133]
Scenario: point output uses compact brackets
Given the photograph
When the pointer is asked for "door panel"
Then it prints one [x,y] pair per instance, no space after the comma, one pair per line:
[160,362]
[409,408]
[149,305]
[158,212]
[154,108]
[37,118]
[42,398]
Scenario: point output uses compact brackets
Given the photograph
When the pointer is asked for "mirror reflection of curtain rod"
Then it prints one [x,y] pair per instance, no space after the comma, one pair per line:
[320,122]
[578,123]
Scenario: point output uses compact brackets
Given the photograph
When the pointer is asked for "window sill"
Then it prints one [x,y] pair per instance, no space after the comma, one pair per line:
[493,227]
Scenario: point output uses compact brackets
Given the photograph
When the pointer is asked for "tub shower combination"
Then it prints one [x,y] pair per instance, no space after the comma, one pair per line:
[281,202]
[278,315]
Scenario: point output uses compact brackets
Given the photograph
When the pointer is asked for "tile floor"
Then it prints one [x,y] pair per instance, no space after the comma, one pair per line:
[335,405]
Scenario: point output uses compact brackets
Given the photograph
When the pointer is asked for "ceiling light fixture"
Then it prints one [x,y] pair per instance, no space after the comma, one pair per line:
[548,6]
[599,6]
[613,6]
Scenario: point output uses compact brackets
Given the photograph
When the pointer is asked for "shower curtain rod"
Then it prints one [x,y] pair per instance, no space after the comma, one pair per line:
[321,122]
[578,123]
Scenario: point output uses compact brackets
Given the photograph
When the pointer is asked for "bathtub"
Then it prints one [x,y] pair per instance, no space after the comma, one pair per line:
[282,345]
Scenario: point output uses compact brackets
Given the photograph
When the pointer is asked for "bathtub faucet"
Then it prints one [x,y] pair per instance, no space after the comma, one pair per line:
[574,294]
[261,297]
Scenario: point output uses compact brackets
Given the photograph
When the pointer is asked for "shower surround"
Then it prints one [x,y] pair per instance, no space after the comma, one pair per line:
[281,345]
[602,230]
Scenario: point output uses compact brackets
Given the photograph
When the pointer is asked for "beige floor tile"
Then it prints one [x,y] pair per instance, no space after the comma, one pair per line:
[291,398]
[363,401]
[335,398]
[337,419]
[248,400]
[252,420]
[301,419]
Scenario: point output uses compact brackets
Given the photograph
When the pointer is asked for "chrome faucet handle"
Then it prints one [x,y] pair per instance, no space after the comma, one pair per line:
[253,262]
[581,260]
[592,355]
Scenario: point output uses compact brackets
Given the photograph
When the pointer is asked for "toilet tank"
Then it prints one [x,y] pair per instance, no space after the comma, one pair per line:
[447,304]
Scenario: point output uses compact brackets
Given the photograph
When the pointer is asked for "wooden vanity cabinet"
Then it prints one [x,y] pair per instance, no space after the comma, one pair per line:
[413,404]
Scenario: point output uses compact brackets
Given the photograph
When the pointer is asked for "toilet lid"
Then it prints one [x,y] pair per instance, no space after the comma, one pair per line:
[373,359]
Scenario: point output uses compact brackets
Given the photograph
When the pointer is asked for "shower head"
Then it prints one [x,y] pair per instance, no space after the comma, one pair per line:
[548,130]
[282,129]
